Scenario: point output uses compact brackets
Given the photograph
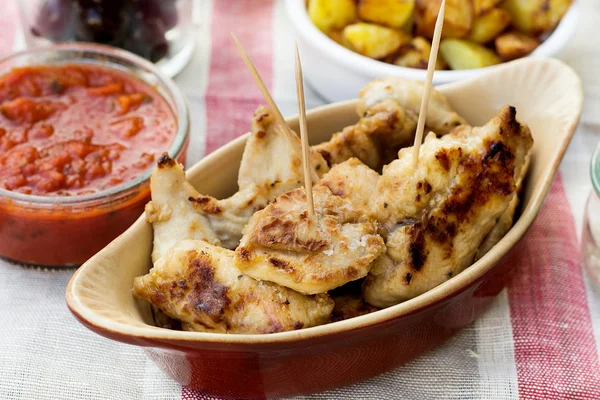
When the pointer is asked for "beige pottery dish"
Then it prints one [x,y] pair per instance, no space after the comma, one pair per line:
[548,97]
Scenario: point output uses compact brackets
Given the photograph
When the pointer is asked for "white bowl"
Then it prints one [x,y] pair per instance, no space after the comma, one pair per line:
[337,73]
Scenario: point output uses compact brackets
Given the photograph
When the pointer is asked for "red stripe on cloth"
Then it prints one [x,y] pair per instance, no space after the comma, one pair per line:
[232,96]
[9,23]
[555,350]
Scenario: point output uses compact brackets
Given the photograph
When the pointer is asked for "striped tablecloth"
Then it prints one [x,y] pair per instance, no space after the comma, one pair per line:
[540,339]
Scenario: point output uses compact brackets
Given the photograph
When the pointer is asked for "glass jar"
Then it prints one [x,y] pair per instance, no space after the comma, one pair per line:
[158,30]
[66,231]
[590,237]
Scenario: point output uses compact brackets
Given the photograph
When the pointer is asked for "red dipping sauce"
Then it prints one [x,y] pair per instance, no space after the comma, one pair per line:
[81,126]
[72,130]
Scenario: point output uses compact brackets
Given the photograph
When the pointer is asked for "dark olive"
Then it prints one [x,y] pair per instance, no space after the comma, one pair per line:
[146,38]
[103,21]
[164,12]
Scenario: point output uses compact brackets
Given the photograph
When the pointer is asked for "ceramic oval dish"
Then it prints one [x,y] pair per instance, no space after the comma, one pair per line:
[548,97]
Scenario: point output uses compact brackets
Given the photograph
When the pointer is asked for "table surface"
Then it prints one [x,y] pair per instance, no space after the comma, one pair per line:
[45,353]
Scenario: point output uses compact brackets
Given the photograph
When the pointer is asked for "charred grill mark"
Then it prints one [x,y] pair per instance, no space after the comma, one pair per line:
[165,161]
[278,263]
[244,254]
[408,278]
[199,200]
[511,121]
[208,296]
[262,116]
[487,174]
[351,273]
[499,149]
[278,232]
[206,204]
[336,188]
[281,264]
[442,157]
[157,298]
[298,325]
[312,245]
[416,249]
[326,156]
[441,229]
[427,187]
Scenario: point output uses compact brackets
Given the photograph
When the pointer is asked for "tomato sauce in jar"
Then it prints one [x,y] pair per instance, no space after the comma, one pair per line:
[78,129]
[68,133]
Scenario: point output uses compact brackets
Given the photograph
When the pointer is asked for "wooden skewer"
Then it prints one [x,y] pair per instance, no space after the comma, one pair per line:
[260,83]
[268,98]
[435,44]
[304,136]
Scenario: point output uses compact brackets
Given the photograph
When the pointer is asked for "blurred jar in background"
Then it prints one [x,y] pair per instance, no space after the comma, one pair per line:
[590,237]
[161,31]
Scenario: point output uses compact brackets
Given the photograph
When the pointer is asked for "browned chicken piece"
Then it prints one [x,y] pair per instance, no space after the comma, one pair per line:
[282,244]
[441,117]
[271,165]
[374,139]
[171,213]
[388,111]
[350,306]
[197,283]
[434,218]
[162,320]
[351,180]
[505,222]
[349,302]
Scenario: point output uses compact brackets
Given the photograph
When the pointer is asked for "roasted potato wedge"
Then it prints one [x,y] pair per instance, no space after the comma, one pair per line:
[486,27]
[416,55]
[336,36]
[481,7]
[373,40]
[536,16]
[392,13]
[461,54]
[330,15]
[409,25]
[457,19]
[512,45]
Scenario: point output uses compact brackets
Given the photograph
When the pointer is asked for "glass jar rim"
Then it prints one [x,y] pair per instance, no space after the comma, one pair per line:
[180,111]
